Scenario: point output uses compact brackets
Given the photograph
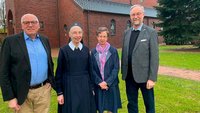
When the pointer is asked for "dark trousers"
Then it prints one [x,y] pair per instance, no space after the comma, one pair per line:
[132,95]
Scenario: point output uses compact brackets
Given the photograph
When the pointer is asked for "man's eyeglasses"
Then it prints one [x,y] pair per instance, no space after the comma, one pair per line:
[30,22]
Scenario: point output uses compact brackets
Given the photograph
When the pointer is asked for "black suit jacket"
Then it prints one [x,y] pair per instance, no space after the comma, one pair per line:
[15,70]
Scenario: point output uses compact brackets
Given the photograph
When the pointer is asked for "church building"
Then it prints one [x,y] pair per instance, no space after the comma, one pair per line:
[56,16]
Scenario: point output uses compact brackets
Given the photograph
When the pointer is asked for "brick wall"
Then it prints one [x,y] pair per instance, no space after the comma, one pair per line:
[102,19]
[9,5]
[9,8]
[145,3]
[56,13]
[90,21]
[69,12]
[45,10]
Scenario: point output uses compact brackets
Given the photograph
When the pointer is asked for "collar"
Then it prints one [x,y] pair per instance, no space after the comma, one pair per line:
[72,46]
[26,37]
[139,28]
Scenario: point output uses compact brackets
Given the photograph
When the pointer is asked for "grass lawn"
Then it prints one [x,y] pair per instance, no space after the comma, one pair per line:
[172,95]
[2,30]
[178,59]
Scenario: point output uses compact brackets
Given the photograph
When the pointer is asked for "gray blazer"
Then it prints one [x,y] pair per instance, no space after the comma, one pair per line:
[145,56]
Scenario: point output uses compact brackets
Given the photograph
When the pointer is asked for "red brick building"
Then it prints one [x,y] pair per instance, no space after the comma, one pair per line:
[57,15]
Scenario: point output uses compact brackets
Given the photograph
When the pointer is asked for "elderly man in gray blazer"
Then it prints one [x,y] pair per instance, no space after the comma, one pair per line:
[140,61]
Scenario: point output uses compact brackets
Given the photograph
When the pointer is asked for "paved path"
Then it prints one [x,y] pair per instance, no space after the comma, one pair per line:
[182,73]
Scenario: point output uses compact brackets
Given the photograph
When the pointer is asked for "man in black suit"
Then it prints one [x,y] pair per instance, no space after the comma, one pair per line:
[26,69]
[140,61]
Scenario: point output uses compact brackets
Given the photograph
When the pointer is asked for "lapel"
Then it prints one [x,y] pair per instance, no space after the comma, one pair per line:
[22,43]
[127,39]
[96,55]
[141,35]
[108,55]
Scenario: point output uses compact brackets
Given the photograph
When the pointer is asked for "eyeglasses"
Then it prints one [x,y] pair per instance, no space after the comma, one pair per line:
[30,22]
[136,14]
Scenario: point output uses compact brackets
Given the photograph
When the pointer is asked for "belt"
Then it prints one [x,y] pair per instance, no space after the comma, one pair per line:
[38,85]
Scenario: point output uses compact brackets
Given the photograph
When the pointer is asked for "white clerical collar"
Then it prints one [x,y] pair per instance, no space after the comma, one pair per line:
[72,46]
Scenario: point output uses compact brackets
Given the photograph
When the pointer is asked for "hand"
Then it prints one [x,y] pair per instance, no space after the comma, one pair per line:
[60,99]
[103,85]
[48,85]
[13,104]
[150,84]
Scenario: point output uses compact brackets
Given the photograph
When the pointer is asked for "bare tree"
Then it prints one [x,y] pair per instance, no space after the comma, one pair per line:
[2,15]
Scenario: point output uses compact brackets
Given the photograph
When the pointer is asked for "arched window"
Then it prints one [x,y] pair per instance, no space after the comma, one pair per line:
[128,24]
[41,25]
[65,27]
[113,27]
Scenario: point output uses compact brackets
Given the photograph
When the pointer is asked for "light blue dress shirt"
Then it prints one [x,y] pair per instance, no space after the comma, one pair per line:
[38,59]
[139,28]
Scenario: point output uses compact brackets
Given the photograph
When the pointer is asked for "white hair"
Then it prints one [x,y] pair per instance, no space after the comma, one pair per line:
[25,15]
[137,5]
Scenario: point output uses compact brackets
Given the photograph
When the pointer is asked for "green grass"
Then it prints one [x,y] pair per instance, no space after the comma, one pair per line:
[178,59]
[2,30]
[172,95]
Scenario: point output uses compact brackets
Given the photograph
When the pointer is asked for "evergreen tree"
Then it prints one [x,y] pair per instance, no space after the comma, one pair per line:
[180,20]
